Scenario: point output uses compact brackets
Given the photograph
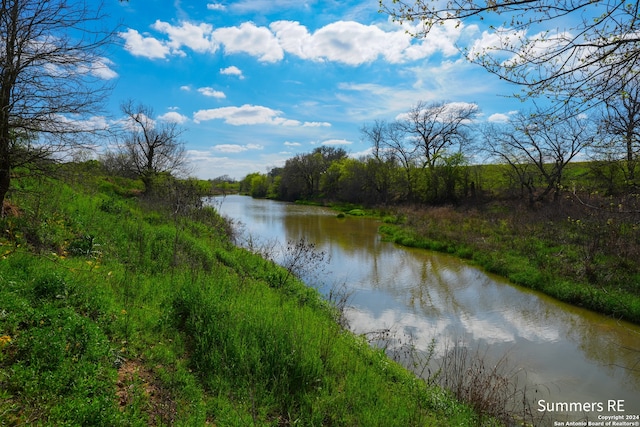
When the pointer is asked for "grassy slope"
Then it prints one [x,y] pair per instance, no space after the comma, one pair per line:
[111,314]
[569,252]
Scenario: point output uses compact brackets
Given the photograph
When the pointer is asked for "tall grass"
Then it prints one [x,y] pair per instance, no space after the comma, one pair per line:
[581,255]
[114,312]
[491,387]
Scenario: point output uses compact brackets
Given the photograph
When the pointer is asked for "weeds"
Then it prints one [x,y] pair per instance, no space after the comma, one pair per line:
[157,310]
[338,298]
[491,387]
[585,256]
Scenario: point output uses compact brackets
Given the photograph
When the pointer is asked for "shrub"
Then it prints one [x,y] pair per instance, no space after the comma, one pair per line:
[50,286]
[82,245]
[357,212]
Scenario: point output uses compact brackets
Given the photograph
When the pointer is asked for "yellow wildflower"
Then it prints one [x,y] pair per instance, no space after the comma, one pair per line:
[4,340]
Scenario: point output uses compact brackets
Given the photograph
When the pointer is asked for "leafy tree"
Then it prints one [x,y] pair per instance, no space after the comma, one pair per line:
[293,185]
[259,185]
[301,174]
[151,147]
[452,172]
[575,49]
[223,184]
[346,180]
[52,79]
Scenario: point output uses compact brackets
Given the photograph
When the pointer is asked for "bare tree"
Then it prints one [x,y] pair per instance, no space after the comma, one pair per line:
[52,78]
[574,49]
[436,128]
[404,154]
[437,131]
[381,163]
[538,148]
[152,147]
[620,126]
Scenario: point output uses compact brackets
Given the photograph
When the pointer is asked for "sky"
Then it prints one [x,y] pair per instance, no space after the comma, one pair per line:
[255,82]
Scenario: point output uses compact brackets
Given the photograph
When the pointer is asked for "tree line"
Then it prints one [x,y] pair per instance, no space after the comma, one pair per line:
[440,153]
[52,84]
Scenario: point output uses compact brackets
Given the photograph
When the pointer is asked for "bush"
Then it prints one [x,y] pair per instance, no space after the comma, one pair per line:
[82,245]
[50,286]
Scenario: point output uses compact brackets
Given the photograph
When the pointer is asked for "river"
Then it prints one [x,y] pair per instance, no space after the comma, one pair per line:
[575,364]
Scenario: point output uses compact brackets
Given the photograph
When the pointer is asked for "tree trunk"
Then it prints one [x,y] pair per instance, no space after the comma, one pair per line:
[5,179]
[5,157]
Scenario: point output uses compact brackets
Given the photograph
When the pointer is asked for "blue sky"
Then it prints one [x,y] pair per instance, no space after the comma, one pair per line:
[254,82]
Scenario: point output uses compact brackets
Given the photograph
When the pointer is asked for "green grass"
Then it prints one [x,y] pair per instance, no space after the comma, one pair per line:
[115,312]
[591,262]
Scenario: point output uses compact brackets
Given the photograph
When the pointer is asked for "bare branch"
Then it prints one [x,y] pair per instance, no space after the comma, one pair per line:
[538,147]
[533,47]
[150,147]
[53,77]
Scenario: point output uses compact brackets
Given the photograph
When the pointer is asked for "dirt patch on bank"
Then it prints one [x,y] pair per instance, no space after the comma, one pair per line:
[137,385]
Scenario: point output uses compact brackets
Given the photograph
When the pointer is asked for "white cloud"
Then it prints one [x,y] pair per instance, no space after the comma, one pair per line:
[195,37]
[236,148]
[348,42]
[336,142]
[498,118]
[216,6]
[232,71]
[501,117]
[293,37]
[493,43]
[353,43]
[316,124]
[292,144]
[441,38]
[208,91]
[173,117]
[147,47]
[245,115]
[102,68]
[84,124]
[250,39]
[186,88]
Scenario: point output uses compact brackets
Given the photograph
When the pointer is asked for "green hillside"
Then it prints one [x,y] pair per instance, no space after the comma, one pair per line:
[118,309]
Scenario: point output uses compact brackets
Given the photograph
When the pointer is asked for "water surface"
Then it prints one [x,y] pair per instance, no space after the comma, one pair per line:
[564,354]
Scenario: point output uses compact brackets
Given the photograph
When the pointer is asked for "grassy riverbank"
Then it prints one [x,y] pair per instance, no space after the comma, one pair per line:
[583,254]
[117,309]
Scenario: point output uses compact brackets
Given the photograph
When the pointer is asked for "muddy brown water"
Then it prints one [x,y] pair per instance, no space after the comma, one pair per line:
[577,365]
